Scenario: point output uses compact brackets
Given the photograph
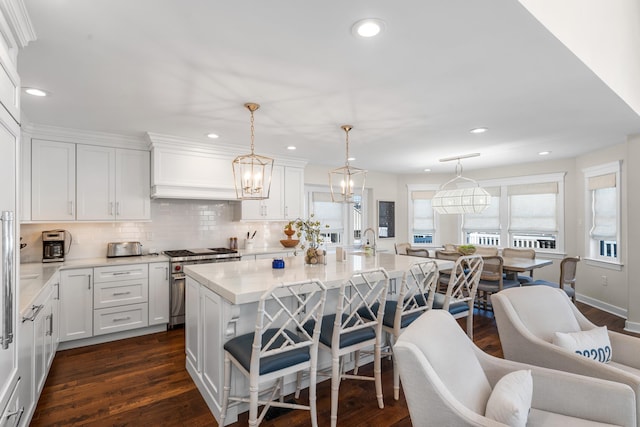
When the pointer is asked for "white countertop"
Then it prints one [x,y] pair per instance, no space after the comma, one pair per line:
[265,250]
[34,276]
[245,281]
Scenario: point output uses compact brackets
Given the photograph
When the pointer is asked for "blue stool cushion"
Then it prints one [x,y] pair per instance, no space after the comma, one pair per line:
[350,338]
[390,314]
[240,349]
[568,289]
[454,308]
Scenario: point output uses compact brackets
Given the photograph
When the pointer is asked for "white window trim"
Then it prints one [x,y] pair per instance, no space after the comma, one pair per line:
[590,259]
[503,183]
[347,231]
[436,216]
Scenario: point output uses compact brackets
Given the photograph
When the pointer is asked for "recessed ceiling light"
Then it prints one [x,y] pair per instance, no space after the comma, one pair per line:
[427,170]
[478,130]
[544,153]
[351,159]
[367,28]
[213,135]
[35,92]
[291,147]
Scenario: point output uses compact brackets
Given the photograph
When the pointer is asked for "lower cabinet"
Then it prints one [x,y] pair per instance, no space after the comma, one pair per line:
[203,339]
[158,293]
[76,304]
[37,345]
[14,410]
[120,318]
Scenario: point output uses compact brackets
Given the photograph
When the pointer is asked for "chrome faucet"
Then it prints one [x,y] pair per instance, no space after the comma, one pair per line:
[373,233]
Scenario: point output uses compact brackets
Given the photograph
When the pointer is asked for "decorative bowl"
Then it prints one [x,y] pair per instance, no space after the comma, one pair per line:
[289,243]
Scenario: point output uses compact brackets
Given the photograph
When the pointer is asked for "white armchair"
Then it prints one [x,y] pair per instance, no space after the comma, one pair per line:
[447,381]
[527,320]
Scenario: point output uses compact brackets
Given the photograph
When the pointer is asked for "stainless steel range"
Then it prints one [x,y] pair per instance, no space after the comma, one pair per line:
[177,260]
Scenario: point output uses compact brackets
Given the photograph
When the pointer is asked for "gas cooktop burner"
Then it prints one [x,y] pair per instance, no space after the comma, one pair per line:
[187,253]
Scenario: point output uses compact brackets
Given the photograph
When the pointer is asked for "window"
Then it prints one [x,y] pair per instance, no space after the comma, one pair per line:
[484,228]
[345,220]
[525,212]
[602,203]
[533,215]
[422,222]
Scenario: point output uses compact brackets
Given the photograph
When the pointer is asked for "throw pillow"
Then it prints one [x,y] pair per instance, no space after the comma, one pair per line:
[510,399]
[593,343]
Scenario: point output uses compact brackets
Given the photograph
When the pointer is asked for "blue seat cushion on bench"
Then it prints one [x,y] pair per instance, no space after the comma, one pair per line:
[390,314]
[240,348]
[454,308]
[568,289]
[346,339]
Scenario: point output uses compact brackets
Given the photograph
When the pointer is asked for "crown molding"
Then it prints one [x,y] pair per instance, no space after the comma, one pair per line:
[83,136]
[15,12]
[172,141]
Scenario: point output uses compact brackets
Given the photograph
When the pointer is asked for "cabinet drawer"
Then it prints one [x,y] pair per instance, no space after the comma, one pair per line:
[14,410]
[116,319]
[113,294]
[120,272]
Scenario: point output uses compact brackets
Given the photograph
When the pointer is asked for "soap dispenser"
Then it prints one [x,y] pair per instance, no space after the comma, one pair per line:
[367,248]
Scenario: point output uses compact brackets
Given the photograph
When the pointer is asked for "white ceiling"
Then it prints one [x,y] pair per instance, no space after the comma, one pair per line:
[441,68]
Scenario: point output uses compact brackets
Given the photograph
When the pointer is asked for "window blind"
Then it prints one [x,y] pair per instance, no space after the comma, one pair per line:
[604,213]
[533,212]
[326,211]
[489,219]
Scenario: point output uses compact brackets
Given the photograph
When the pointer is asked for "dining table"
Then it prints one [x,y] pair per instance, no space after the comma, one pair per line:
[512,266]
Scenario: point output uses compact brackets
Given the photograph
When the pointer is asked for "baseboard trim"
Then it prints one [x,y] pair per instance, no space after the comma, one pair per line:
[609,308]
[100,339]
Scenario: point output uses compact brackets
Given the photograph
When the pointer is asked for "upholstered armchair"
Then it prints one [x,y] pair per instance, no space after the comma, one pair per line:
[449,381]
[528,319]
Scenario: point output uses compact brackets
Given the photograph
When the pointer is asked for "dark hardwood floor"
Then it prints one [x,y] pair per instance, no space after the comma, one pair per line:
[143,382]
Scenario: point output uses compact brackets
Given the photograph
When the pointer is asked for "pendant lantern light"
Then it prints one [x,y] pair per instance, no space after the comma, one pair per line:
[468,199]
[346,181]
[252,172]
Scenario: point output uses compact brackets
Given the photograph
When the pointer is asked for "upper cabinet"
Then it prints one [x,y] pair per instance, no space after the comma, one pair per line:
[112,183]
[88,182]
[53,181]
[285,200]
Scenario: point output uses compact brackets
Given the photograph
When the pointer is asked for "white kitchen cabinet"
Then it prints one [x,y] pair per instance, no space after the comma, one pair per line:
[76,304]
[285,199]
[120,298]
[158,293]
[53,180]
[112,183]
[192,327]
[38,343]
[294,193]
[120,318]
[203,339]
[14,409]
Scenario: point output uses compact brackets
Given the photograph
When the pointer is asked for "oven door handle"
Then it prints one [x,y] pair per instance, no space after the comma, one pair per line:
[178,276]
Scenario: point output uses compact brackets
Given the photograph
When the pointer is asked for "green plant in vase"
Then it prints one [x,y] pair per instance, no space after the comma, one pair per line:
[467,249]
[310,236]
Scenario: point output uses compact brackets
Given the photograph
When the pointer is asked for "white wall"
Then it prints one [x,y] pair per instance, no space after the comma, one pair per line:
[604,34]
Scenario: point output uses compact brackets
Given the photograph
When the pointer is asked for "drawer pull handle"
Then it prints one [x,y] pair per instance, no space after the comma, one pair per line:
[121,319]
[17,412]
[120,273]
[35,310]
[115,294]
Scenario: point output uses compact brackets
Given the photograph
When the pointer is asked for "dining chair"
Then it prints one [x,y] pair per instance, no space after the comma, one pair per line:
[401,248]
[415,296]
[278,346]
[520,253]
[421,252]
[486,250]
[462,285]
[492,280]
[567,280]
[348,331]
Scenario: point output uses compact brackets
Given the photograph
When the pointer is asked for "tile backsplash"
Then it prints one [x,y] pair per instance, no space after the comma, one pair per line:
[175,224]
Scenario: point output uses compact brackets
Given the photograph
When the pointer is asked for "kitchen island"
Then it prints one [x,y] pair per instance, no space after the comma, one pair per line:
[221,303]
